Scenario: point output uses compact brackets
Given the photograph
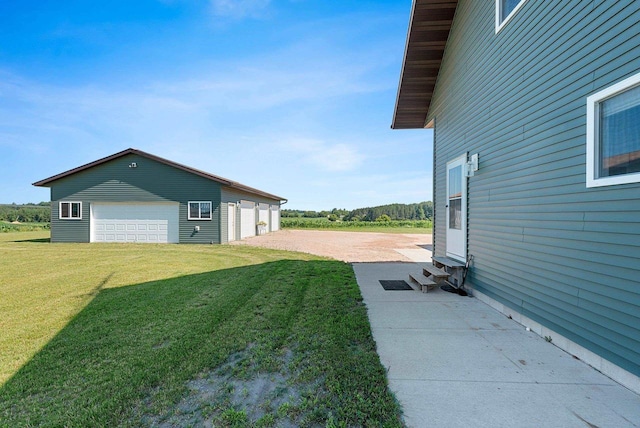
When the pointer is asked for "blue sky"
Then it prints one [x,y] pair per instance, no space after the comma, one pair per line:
[294,97]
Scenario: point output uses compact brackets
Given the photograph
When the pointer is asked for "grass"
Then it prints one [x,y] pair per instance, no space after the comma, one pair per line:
[135,335]
[394,226]
[22,227]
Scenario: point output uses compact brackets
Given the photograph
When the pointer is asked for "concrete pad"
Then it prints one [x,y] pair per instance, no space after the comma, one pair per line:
[453,361]
[500,404]
[416,255]
[413,315]
[369,275]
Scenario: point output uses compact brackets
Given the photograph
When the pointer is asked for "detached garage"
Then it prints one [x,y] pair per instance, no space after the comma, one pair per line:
[133,196]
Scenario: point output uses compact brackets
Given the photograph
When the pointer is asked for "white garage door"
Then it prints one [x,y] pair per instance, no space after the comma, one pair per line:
[263,215]
[275,218]
[144,222]
[247,219]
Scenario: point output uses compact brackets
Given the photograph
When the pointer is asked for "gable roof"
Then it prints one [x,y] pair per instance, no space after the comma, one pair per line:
[429,27]
[224,181]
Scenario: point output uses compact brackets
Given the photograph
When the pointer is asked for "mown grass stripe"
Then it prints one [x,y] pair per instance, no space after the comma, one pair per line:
[126,328]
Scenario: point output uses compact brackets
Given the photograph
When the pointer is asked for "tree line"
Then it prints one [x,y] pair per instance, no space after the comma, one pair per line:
[313,214]
[41,213]
[27,213]
[417,211]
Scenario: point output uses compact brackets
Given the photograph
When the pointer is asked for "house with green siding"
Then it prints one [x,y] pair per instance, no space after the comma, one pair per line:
[133,196]
[534,108]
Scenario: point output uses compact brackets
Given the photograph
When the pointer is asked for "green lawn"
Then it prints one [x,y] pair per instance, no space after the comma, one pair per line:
[132,334]
[5,226]
[394,226]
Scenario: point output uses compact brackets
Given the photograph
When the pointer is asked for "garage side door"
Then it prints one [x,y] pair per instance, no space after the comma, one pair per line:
[275,218]
[247,219]
[144,222]
[231,222]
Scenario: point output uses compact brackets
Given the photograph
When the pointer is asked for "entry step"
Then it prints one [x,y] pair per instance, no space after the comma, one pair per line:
[424,282]
[437,274]
[446,261]
[455,268]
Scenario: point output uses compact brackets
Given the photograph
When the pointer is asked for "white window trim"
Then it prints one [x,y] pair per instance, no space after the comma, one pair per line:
[593,113]
[190,217]
[70,210]
[500,25]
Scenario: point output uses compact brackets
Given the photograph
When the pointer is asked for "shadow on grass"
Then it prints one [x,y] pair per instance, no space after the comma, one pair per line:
[37,240]
[131,351]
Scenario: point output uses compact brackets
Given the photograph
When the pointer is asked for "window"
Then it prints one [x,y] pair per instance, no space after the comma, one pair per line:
[613,134]
[505,9]
[199,210]
[455,198]
[70,211]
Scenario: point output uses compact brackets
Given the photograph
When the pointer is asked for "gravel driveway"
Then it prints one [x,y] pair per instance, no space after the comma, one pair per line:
[350,247]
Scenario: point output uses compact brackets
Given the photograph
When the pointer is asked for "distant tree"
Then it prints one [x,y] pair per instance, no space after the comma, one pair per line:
[340,212]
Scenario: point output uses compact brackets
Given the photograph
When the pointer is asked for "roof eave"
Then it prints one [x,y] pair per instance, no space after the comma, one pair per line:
[429,27]
[225,182]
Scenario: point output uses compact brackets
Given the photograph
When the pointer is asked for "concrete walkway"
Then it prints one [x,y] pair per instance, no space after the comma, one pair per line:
[453,361]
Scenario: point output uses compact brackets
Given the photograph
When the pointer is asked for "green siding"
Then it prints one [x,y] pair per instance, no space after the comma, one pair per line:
[566,256]
[151,181]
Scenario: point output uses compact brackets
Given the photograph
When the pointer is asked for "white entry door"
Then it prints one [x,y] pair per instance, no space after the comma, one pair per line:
[456,217]
[231,222]
[275,218]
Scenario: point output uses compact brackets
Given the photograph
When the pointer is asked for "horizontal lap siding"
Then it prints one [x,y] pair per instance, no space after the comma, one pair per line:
[150,181]
[543,244]
[68,230]
[230,195]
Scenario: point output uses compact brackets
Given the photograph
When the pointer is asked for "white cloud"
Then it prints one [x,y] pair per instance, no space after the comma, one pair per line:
[272,80]
[325,156]
[266,119]
[239,8]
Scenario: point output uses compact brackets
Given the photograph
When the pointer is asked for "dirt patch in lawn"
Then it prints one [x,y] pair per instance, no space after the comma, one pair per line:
[238,394]
[350,247]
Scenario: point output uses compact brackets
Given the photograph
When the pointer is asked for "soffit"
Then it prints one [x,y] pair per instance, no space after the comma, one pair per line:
[429,28]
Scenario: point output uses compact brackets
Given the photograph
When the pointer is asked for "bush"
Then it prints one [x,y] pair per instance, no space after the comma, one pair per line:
[383,218]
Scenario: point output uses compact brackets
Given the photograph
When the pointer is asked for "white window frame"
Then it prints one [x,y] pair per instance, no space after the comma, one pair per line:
[199,217]
[499,24]
[70,210]
[593,132]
